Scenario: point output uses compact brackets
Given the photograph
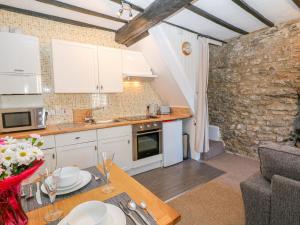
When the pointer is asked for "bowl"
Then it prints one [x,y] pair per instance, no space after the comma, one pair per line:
[91,212]
[68,176]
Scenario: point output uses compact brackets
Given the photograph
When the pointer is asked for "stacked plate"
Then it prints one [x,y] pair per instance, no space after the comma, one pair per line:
[95,213]
[71,179]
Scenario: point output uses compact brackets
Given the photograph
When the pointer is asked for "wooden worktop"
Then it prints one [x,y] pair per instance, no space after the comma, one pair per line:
[67,128]
[122,182]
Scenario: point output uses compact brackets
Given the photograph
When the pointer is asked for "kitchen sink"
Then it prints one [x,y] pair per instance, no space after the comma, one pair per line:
[108,121]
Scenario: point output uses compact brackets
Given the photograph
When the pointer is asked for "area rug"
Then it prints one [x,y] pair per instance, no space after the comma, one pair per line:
[213,203]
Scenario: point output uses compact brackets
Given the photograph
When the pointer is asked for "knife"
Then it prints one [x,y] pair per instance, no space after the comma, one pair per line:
[38,194]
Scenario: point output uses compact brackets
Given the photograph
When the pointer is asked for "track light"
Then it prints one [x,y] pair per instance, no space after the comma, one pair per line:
[125,7]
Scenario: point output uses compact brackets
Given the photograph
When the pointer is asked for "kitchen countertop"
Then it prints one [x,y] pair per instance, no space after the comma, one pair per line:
[75,127]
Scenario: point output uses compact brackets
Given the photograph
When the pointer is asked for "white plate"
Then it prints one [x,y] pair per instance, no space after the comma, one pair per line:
[86,177]
[115,216]
[72,186]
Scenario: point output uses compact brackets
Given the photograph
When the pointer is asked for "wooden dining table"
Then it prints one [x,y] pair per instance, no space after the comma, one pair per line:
[122,182]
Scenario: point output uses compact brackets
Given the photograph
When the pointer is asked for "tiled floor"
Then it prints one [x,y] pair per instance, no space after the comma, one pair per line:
[174,180]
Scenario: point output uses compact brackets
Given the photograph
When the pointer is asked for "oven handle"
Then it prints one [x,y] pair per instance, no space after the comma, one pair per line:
[150,132]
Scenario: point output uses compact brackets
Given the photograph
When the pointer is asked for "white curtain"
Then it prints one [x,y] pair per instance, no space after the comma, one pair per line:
[201,117]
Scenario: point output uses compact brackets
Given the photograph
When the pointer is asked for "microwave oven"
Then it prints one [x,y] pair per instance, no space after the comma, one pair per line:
[21,119]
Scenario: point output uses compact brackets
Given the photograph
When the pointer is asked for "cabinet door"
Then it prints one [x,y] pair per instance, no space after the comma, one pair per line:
[135,64]
[81,155]
[110,70]
[50,159]
[123,150]
[19,53]
[50,163]
[75,67]
[172,142]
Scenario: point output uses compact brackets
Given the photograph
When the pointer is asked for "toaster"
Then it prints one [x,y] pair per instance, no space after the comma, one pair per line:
[164,110]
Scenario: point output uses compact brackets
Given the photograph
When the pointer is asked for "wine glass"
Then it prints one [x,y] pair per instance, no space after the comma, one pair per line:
[107,162]
[50,182]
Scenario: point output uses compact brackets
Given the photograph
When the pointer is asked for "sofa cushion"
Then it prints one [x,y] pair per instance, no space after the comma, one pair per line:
[256,192]
[280,160]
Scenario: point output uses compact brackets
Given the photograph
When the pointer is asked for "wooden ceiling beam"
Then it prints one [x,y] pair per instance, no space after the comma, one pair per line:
[195,32]
[133,6]
[155,13]
[297,2]
[81,10]
[54,18]
[214,19]
[254,12]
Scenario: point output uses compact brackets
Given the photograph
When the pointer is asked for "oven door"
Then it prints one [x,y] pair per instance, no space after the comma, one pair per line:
[148,143]
[17,120]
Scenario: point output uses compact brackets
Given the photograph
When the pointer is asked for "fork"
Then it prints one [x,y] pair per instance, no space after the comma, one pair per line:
[96,177]
[128,213]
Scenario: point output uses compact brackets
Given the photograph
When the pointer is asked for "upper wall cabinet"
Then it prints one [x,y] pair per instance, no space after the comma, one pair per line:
[75,67]
[135,64]
[110,70]
[19,54]
[20,69]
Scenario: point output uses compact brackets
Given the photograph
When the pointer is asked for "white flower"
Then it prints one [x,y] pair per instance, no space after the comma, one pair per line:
[3,148]
[10,140]
[1,158]
[37,153]
[24,156]
[9,158]
[1,171]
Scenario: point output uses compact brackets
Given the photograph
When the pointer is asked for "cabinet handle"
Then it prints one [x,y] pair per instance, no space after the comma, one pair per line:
[128,141]
[53,156]
[95,148]
[97,87]
[19,70]
[77,138]
[101,87]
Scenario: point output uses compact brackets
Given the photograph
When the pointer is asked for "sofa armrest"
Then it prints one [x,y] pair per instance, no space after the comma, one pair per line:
[285,201]
[256,193]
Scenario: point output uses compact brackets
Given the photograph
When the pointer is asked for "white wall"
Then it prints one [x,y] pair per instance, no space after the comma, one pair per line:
[165,84]
[177,73]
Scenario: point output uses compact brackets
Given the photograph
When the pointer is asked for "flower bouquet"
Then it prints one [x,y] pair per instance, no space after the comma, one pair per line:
[19,159]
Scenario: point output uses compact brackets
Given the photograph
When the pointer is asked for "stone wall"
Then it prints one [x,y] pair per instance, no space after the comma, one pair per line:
[253,86]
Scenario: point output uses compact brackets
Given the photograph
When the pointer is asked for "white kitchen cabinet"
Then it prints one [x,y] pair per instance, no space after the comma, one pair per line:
[82,155]
[135,64]
[20,69]
[118,140]
[75,138]
[110,70]
[49,156]
[19,54]
[50,159]
[77,149]
[172,142]
[75,67]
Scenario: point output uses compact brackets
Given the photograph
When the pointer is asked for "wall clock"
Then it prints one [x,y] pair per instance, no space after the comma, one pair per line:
[186,48]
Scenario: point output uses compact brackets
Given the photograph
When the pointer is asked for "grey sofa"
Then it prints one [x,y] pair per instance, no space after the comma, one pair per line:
[272,197]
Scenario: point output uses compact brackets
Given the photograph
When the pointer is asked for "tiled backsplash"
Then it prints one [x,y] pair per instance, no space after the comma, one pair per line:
[134,99]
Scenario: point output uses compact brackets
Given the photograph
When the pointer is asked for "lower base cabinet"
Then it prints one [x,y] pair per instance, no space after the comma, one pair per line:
[81,155]
[119,141]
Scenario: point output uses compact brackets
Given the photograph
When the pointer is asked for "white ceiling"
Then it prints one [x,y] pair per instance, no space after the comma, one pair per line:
[276,11]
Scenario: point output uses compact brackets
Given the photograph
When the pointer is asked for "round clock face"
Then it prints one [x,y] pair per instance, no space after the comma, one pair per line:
[186,48]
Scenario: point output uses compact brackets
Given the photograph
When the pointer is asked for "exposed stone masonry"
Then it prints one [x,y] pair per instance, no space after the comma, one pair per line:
[253,86]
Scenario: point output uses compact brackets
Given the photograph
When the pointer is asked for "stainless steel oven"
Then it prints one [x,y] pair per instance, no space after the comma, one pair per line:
[147,140]
[21,119]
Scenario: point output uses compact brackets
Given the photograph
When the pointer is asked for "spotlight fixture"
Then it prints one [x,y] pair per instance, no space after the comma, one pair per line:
[125,9]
